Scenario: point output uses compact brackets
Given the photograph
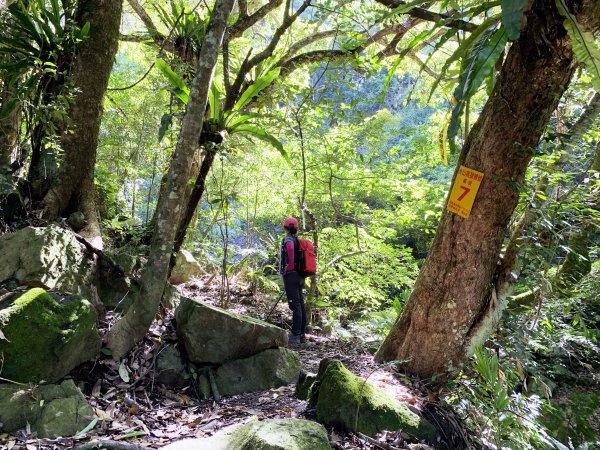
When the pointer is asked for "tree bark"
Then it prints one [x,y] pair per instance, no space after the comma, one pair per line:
[73,189]
[5,4]
[454,305]
[192,203]
[9,134]
[135,323]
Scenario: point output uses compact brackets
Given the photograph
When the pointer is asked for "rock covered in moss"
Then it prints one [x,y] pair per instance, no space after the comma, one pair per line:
[269,369]
[49,257]
[344,400]
[50,410]
[46,338]
[275,434]
[212,335]
[305,385]
[281,434]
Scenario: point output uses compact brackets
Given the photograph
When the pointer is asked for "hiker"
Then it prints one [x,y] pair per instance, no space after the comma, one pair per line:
[293,281]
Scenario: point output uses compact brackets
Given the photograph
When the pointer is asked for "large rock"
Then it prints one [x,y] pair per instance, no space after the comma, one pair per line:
[269,369]
[349,402]
[275,434]
[44,337]
[49,257]
[50,410]
[213,336]
[186,268]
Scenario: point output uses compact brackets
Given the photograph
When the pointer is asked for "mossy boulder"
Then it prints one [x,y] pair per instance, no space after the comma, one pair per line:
[212,335]
[346,401]
[46,336]
[574,417]
[49,257]
[269,369]
[50,410]
[306,381]
[275,434]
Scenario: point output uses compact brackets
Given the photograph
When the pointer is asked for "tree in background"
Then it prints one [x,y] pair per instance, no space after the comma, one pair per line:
[73,189]
[135,323]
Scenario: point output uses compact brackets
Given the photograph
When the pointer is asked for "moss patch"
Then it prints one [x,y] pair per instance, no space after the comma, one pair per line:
[280,434]
[349,402]
[46,338]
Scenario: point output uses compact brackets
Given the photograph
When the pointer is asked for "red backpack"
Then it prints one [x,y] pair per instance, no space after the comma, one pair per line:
[307,258]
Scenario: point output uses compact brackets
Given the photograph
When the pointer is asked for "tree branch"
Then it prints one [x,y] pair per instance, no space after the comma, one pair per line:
[430,16]
[145,18]
[245,21]
[248,64]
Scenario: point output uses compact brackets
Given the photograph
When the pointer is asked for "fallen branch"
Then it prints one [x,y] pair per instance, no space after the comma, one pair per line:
[109,445]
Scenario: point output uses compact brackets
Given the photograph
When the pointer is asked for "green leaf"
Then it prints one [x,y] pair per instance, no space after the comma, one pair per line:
[214,100]
[462,50]
[255,88]
[585,46]
[477,67]
[264,136]
[180,89]
[512,13]
[106,351]
[85,30]
[233,119]
[89,427]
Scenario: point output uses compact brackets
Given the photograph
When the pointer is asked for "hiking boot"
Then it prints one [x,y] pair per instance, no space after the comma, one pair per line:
[302,338]
[294,340]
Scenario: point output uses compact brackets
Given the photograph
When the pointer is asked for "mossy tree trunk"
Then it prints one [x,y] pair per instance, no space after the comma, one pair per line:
[73,189]
[454,304]
[9,133]
[135,323]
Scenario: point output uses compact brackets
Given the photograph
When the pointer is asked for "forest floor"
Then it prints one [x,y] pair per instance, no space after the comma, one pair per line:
[135,412]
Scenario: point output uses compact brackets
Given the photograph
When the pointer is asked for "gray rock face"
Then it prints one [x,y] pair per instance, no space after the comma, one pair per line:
[186,268]
[49,257]
[170,368]
[44,338]
[275,434]
[50,410]
[268,369]
[213,336]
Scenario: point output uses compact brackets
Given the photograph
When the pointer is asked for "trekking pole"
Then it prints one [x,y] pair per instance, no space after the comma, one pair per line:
[275,305]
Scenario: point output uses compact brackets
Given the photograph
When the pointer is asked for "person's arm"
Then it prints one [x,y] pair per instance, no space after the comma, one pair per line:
[289,249]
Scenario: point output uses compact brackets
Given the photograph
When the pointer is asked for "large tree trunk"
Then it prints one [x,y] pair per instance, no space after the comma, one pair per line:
[135,323]
[9,134]
[73,189]
[454,305]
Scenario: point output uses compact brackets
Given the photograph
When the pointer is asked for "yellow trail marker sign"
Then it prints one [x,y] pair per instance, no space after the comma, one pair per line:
[464,190]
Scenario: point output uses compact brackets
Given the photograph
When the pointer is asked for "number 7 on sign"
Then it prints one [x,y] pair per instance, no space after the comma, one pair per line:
[466,189]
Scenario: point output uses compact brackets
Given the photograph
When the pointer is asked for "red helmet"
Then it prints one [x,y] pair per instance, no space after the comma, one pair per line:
[290,221]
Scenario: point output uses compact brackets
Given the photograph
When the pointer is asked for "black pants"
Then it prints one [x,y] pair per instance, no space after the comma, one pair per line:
[294,283]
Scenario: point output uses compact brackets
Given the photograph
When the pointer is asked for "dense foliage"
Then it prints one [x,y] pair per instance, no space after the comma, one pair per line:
[366,145]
